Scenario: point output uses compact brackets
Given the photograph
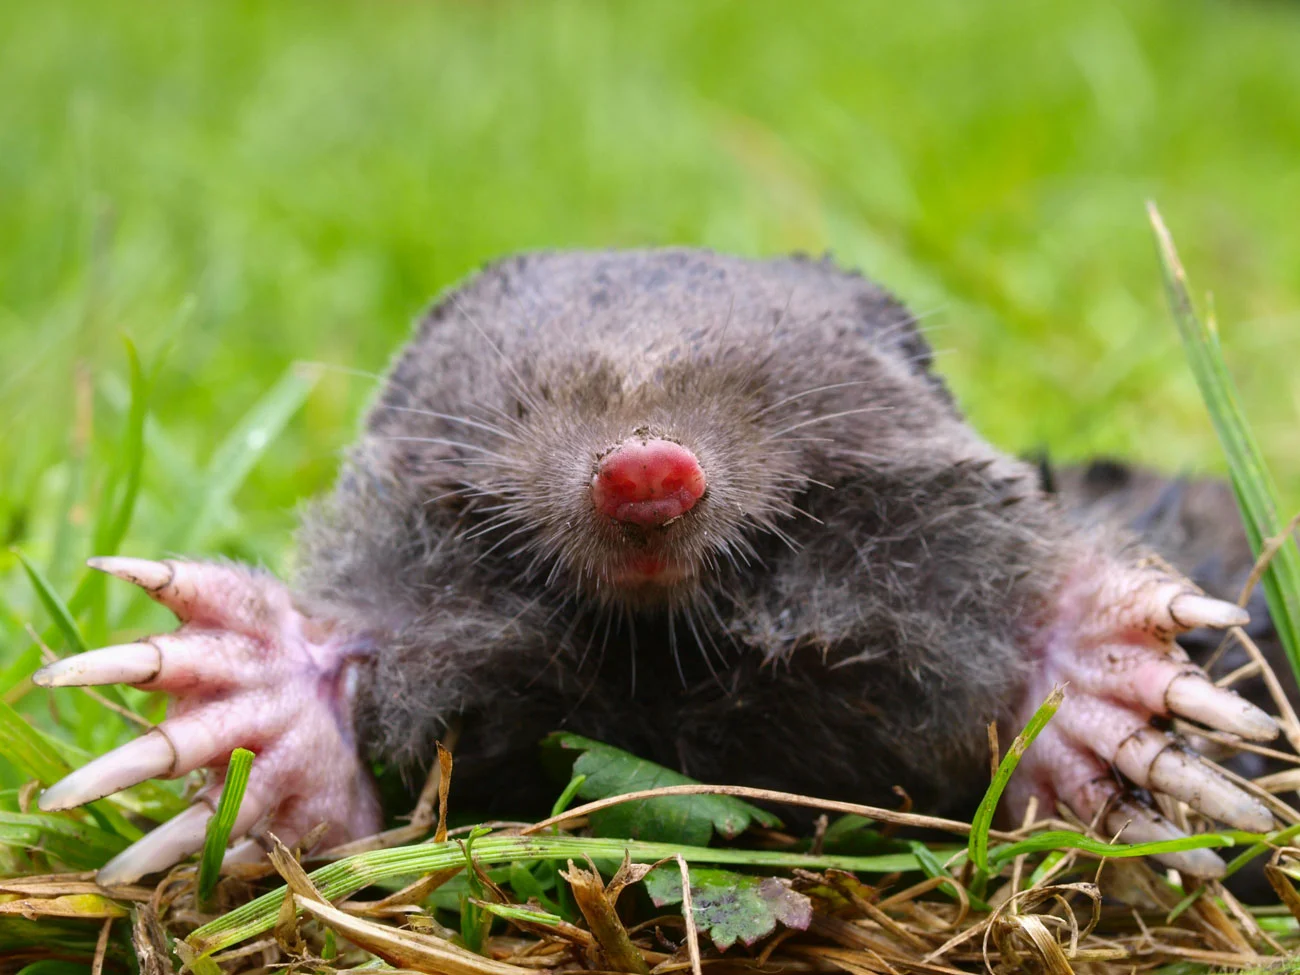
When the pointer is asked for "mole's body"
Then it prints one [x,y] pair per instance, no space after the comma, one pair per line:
[717,511]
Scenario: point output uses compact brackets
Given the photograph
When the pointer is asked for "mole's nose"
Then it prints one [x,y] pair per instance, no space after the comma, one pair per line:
[647,482]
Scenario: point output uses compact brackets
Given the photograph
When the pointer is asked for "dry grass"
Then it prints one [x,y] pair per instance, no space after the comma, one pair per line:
[1055,911]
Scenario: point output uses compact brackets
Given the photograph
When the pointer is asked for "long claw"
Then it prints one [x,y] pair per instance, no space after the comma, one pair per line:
[1140,824]
[148,757]
[1191,695]
[220,597]
[177,838]
[173,584]
[1154,760]
[145,573]
[1191,610]
[130,663]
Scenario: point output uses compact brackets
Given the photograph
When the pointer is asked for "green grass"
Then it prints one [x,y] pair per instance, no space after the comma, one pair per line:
[238,188]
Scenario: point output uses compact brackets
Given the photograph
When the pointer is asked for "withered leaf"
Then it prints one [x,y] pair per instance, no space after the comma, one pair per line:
[730,906]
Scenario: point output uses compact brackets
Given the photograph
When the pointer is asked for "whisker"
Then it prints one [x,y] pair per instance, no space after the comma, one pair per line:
[454,419]
[831,416]
[808,392]
[491,525]
[501,541]
[689,613]
[631,644]
[452,443]
[672,645]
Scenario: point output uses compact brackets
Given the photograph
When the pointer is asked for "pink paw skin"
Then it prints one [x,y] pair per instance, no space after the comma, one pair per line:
[244,670]
[1110,638]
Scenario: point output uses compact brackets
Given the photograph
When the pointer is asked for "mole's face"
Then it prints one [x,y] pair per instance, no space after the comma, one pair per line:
[641,487]
[626,426]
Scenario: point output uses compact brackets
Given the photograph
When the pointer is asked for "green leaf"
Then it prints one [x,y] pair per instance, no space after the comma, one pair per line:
[691,820]
[983,818]
[1251,481]
[223,821]
[729,906]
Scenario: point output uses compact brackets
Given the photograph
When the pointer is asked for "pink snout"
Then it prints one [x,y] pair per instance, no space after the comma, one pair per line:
[647,482]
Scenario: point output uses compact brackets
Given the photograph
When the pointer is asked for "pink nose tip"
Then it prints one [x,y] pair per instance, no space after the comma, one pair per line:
[647,482]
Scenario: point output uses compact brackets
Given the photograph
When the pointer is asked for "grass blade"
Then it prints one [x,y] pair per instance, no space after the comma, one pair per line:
[235,457]
[78,844]
[1251,481]
[33,755]
[27,750]
[219,827]
[112,527]
[55,606]
[983,818]
[63,619]
[1064,839]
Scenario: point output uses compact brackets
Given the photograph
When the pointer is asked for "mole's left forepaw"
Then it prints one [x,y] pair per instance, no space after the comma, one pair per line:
[1110,637]
[245,669]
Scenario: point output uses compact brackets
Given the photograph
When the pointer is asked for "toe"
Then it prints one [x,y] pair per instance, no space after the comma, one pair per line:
[1156,761]
[1075,776]
[224,596]
[1146,602]
[189,659]
[130,663]
[1159,683]
[1192,695]
[1134,822]
[165,846]
[1192,610]
[177,838]
[147,757]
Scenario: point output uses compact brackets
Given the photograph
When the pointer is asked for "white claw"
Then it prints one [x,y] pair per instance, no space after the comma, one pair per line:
[149,756]
[1182,775]
[144,573]
[1142,825]
[172,841]
[1192,696]
[1191,610]
[130,663]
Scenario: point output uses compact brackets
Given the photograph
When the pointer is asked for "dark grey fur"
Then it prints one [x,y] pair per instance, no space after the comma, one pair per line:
[870,567]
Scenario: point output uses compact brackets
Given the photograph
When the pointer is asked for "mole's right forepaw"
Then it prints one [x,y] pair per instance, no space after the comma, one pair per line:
[1110,638]
[245,669]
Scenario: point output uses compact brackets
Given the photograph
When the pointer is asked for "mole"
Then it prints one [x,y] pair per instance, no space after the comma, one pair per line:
[720,512]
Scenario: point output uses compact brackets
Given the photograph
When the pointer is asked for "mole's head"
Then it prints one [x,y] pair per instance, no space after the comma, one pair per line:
[631,425]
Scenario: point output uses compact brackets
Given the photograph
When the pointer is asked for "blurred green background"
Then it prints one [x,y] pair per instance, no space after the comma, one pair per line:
[239,186]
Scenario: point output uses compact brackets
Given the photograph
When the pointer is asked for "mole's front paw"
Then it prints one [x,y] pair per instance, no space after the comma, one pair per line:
[245,669]
[1110,636]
